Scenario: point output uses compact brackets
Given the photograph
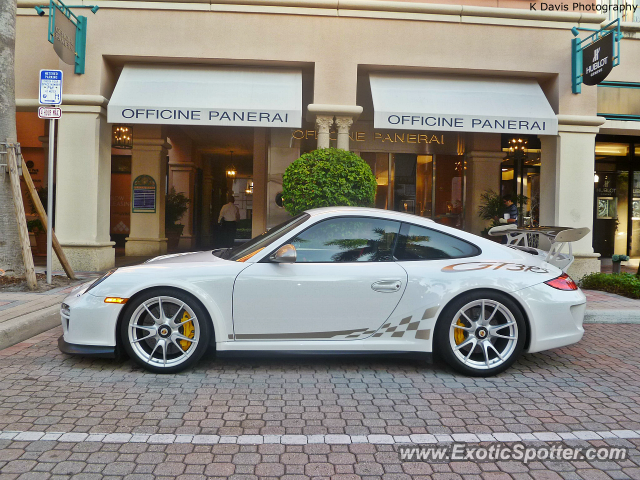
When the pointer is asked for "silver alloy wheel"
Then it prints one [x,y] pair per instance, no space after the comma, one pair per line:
[157,328]
[483,334]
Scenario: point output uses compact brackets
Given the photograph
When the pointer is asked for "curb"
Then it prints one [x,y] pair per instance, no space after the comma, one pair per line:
[612,316]
[26,326]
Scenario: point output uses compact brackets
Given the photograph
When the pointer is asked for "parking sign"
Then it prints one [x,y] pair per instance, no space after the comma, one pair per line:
[50,87]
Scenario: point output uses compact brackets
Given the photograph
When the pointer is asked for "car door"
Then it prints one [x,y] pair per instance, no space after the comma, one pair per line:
[343,285]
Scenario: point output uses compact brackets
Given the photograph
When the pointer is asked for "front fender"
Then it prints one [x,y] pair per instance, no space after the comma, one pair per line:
[211,284]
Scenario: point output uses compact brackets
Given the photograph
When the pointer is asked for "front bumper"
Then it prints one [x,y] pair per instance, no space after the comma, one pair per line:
[98,351]
[88,324]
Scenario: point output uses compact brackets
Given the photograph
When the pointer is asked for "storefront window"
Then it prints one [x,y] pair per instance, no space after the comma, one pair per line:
[430,186]
[611,181]
[635,214]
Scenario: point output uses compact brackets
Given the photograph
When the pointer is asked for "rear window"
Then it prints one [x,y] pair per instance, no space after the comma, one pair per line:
[420,243]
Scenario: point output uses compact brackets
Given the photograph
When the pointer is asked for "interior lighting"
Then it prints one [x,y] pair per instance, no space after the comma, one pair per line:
[122,137]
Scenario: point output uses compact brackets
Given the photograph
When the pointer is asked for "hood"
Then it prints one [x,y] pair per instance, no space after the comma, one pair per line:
[190,257]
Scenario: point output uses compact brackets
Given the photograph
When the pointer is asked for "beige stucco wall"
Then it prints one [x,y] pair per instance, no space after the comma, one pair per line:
[333,42]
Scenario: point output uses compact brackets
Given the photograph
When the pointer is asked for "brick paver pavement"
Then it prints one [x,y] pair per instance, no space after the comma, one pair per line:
[135,425]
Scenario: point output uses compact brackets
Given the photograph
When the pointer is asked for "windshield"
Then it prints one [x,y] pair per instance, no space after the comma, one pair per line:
[247,250]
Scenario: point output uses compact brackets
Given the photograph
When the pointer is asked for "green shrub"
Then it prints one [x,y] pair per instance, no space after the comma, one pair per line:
[626,284]
[325,178]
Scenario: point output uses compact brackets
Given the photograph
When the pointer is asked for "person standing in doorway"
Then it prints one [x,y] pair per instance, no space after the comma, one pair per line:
[510,210]
[228,220]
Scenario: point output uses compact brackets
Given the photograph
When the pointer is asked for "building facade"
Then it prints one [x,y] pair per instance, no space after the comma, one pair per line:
[429,94]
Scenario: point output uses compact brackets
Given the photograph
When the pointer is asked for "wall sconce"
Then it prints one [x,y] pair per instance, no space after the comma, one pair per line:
[122,137]
[249,190]
[231,170]
[596,178]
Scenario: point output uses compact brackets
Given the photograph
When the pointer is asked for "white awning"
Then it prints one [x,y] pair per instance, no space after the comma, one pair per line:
[207,95]
[457,104]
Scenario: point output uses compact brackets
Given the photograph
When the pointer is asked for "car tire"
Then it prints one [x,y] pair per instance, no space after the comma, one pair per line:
[481,333]
[165,330]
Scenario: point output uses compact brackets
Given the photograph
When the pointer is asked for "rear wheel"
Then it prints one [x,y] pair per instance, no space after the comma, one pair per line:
[165,331]
[481,334]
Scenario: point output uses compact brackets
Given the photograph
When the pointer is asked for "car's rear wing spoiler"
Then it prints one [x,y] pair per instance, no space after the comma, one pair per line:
[548,241]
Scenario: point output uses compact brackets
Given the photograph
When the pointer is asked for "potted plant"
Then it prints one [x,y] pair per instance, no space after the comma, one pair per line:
[36,227]
[176,204]
[492,207]
[327,177]
[616,259]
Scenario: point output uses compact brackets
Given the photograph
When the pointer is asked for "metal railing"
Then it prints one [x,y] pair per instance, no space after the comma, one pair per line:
[625,10]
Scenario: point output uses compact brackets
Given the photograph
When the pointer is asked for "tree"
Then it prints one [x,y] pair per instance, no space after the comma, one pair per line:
[327,177]
[10,252]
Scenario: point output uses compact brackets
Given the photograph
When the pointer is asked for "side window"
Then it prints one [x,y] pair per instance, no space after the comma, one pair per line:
[420,243]
[347,239]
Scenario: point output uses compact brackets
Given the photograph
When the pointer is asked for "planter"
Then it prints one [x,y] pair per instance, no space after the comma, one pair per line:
[616,261]
[173,236]
[41,242]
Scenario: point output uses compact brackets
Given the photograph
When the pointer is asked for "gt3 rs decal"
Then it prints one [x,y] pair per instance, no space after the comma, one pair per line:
[405,327]
[491,265]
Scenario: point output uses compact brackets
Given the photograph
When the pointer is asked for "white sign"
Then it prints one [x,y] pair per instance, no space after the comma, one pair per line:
[50,87]
[49,112]
[466,123]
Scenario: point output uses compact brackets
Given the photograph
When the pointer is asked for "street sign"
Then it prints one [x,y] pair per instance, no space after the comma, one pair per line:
[49,112]
[597,60]
[50,87]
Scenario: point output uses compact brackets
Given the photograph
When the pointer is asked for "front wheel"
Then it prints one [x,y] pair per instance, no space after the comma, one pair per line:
[165,331]
[481,334]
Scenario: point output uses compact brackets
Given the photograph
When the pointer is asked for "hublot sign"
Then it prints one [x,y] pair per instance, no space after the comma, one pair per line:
[597,60]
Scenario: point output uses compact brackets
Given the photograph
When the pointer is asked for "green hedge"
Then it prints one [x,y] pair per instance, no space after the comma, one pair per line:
[325,178]
[626,284]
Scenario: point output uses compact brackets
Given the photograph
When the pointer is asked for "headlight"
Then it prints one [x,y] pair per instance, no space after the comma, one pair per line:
[100,280]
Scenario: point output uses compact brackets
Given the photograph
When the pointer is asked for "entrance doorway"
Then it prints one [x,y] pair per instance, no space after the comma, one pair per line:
[617,196]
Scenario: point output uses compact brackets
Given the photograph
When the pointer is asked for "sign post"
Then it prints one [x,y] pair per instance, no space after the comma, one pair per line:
[50,94]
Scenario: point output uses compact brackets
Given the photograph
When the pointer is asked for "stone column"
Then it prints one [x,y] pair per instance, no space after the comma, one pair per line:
[566,187]
[343,124]
[182,177]
[323,125]
[483,173]
[149,157]
[83,188]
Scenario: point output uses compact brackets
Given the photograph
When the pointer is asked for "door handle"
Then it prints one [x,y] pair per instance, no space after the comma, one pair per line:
[387,286]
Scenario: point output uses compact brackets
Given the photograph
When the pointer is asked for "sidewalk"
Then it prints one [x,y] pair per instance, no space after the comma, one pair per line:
[24,314]
[603,307]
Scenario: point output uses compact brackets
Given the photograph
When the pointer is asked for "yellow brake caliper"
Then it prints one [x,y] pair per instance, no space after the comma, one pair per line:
[458,333]
[188,330]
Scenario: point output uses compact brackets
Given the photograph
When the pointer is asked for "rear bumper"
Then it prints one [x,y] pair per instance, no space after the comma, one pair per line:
[555,316]
[98,351]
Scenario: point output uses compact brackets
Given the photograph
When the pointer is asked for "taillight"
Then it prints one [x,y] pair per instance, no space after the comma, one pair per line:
[563,282]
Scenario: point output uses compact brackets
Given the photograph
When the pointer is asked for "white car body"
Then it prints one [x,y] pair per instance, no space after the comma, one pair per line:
[257,305]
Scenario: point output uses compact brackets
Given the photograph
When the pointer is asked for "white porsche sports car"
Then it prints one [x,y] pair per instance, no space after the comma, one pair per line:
[339,279]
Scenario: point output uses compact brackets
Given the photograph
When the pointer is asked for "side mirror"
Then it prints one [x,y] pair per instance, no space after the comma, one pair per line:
[285,254]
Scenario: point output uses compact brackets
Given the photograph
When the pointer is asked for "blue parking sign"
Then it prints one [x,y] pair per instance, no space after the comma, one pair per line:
[50,87]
